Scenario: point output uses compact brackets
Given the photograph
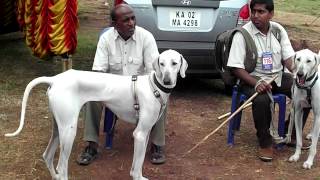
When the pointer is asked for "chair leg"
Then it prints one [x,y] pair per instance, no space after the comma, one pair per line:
[230,140]
[109,125]
[234,122]
[281,100]
[282,115]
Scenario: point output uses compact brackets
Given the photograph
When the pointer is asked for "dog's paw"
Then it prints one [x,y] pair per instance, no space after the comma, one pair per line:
[294,158]
[140,178]
[307,165]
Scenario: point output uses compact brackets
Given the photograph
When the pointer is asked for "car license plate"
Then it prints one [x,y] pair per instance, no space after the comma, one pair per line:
[185,18]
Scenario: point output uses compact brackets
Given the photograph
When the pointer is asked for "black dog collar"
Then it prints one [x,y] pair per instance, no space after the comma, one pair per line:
[162,88]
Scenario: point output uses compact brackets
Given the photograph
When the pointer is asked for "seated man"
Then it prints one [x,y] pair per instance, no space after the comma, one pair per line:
[124,49]
[272,56]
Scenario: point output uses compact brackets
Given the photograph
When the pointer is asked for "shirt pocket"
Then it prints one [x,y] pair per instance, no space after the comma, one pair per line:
[115,64]
[135,65]
[137,61]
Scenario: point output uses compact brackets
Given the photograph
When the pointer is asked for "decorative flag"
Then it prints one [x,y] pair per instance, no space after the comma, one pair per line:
[49,26]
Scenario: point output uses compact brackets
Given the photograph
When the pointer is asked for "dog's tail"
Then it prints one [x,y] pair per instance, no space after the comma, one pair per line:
[33,83]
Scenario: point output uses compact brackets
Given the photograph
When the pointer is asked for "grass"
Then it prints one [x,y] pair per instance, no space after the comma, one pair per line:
[309,7]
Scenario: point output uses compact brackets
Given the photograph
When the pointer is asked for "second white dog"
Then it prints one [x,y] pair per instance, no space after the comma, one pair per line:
[305,93]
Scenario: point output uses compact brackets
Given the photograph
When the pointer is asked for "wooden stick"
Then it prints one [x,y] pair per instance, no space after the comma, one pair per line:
[228,114]
[230,117]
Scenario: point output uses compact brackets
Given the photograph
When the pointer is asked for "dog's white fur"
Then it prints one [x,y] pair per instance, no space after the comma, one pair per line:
[70,90]
[306,64]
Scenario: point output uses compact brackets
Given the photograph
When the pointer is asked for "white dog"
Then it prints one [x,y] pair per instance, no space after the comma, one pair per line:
[70,90]
[305,94]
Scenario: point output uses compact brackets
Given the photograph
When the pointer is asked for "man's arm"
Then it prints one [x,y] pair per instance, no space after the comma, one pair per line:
[244,76]
[101,58]
[288,63]
[150,52]
[236,62]
[287,51]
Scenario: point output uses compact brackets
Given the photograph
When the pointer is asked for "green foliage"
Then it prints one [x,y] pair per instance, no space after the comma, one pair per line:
[86,48]
[310,7]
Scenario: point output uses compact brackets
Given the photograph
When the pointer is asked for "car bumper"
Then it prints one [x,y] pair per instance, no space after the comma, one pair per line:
[199,55]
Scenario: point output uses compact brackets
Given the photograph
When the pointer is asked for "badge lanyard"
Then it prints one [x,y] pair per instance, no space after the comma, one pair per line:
[267,63]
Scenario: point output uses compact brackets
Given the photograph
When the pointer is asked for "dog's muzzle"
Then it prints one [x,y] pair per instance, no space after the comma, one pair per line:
[167,79]
[301,78]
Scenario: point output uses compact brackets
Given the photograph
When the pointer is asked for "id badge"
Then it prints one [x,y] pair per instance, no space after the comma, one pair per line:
[267,61]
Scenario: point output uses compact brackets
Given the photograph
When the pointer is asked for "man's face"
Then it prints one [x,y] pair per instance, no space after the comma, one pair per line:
[126,22]
[260,16]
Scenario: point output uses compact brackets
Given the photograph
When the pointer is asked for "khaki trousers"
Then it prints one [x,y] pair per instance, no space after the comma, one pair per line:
[92,124]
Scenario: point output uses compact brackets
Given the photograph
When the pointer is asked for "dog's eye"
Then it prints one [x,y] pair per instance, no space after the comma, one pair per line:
[308,61]
[298,59]
[174,63]
[161,64]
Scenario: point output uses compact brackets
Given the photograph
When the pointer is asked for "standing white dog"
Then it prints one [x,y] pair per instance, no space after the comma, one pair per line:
[70,90]
[305,93]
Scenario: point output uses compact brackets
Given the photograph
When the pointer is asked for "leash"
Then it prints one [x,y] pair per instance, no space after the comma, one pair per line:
[273,130]
[134,92]
[154,84]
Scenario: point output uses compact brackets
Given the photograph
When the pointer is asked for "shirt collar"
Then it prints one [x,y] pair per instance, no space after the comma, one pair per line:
[255,30]
[117,35]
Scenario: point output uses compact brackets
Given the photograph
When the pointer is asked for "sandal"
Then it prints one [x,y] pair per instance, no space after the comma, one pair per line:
[87,156]
[305,144]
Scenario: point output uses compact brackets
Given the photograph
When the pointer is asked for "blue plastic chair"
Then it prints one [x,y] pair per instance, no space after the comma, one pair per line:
[234,123]
[109,124]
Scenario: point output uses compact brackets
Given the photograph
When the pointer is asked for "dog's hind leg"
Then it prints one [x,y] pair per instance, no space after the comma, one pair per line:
[66,112]
[48,155]
[298,124]
[313,149]
[67,136]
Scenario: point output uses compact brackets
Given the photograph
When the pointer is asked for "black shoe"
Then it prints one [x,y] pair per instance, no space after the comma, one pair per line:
[87,156]
[157,154]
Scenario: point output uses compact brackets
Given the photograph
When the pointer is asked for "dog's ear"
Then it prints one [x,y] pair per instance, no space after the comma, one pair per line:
[317,58]
[156,67]
[183,67]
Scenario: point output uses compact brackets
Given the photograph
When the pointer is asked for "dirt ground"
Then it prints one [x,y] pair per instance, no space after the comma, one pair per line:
[193,111]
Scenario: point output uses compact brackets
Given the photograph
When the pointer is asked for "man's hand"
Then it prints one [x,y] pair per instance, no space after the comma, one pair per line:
[262,87]
[288,63]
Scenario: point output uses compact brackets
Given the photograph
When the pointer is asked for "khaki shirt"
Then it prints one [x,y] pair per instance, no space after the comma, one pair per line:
[131,57]
[280,51]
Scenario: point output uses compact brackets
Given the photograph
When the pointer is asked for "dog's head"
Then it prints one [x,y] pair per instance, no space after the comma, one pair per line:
[168,65]
[306,64]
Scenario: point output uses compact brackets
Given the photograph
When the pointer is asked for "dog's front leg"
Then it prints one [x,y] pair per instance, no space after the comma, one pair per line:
[313,149]
[141,136]
[298,125]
